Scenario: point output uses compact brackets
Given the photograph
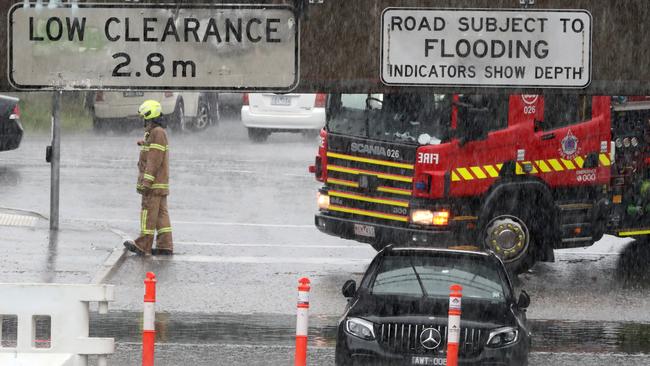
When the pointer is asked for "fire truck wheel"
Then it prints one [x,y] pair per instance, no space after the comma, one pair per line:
[508,235]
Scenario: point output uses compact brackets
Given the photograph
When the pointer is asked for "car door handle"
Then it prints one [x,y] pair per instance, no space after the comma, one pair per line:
[548,136]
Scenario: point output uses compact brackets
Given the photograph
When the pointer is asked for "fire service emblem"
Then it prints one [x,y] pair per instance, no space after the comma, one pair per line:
[569,149]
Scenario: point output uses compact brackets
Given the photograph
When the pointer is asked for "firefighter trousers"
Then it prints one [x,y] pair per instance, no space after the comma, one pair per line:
[154,219]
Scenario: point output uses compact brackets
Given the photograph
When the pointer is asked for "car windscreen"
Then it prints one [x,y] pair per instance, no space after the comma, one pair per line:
[392,117]
[431,276]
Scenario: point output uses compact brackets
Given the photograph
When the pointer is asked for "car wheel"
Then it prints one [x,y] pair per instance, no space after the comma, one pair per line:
[258,134]
[342,356]
[214,108]
[99,125]
[202,119]
[103,126]
[510,234]
[177,120]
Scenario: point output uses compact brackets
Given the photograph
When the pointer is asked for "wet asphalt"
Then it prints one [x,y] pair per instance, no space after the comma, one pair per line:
[242,215]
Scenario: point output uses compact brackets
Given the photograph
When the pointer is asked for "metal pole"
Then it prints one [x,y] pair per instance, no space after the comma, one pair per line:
[55,157]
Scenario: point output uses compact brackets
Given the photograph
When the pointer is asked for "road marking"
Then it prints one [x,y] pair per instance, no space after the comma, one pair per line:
[588,253]
[262,260]
[302,246]
[17,220]
[298,175]
[207,223]
[234,171]
[239,171]
[251,161]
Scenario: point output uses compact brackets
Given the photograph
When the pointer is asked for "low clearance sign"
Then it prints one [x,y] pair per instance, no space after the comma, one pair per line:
[153,46]
[486,48]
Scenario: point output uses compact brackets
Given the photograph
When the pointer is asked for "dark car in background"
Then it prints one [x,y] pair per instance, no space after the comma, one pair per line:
[11,131]
[398,315]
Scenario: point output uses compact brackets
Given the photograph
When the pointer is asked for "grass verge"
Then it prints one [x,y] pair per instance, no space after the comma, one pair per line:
[36,111]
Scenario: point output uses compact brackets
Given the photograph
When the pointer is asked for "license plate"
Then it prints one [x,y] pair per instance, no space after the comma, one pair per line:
[280,100]
[129,94]
[364,230]
[428,361]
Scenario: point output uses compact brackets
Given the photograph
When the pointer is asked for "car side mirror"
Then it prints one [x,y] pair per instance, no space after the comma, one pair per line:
[472,122]
[373,103]
[524,300]
[349,288]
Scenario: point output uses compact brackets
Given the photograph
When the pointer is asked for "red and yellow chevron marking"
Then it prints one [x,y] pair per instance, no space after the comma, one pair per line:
[359,197]
[403,192]
[348,183]
[491,171]
[343,182]
[379,215]
[476,172]
[399,178]
[369,161]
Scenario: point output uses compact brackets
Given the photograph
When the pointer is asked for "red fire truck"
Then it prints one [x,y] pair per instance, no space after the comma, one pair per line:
[519,175]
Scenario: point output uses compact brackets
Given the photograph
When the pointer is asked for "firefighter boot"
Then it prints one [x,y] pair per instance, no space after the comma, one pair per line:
[133,247]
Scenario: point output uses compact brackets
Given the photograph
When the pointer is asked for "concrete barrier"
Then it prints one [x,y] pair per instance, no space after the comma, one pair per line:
[60,313]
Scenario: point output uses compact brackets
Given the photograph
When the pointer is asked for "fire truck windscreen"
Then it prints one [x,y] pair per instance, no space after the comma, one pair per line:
[403,117]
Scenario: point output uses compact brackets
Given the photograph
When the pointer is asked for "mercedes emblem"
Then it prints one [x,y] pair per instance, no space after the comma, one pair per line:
[430,338]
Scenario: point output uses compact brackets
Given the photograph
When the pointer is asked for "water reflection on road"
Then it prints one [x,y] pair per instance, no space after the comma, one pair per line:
[279,330]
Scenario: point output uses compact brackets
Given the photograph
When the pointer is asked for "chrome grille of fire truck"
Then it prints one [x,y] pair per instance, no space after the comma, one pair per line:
[405,338]
[368,187]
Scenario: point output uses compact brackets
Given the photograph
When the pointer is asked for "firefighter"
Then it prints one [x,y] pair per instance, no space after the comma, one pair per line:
[153,185]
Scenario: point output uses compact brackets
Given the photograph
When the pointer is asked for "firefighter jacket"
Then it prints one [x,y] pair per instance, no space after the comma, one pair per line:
[153,165]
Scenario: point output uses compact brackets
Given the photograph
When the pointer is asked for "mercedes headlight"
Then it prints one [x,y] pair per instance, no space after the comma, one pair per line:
[634,142]
[360,328]
[502,337]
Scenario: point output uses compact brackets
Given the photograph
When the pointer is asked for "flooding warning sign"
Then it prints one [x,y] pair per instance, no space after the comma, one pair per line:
[503,48]
[152,46]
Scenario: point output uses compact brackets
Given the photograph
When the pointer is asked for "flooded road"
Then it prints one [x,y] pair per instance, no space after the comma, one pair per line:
[272,329]
[242,215]
[241,339]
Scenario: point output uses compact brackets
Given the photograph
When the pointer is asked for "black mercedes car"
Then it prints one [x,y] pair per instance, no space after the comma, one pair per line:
[398,315]
[11,131]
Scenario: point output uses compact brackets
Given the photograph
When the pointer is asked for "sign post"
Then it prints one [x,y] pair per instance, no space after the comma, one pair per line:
[53,156]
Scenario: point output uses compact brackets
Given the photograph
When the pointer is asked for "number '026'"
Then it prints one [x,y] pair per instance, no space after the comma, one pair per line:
[155,66]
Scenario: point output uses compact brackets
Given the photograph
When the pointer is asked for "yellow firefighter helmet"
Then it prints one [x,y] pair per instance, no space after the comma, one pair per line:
[150,109]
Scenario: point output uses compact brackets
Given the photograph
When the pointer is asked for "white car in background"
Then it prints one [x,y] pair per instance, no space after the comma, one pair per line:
[265,113]
[186,111]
